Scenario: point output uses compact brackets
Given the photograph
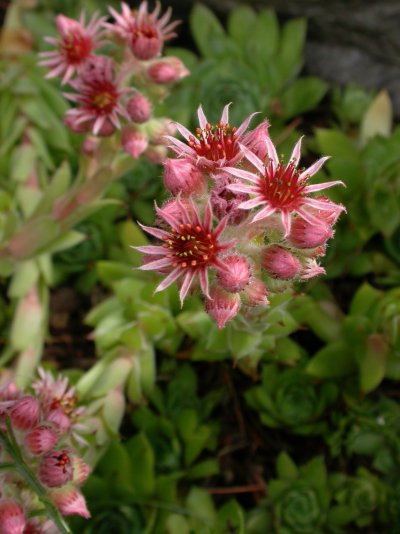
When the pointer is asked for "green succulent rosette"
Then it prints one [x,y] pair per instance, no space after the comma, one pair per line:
[300,497]
[291,398]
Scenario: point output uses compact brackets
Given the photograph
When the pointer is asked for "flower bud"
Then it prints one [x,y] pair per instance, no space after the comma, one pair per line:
[134,142]
[225,202]
[12,517]
[139,108]
[306,235]
[330,215]
[236,275]
[56,468]
[222,306]
[255,293]
[60,420]
[25,413]
[106,129]
[70,501]
[145,46]
[167,70]
[280,263]
[255,140]
[181,176]
[41,439]
[81,470]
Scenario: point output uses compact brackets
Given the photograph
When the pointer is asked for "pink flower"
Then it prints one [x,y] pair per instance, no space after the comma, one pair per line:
[214,146]
[222,306]
[139,108]
[41,439]
[306,235]
[56,468]
[12,517]
[144,32]
[181,176]
[167,70]
[134,142]
[191,246]
[70,501]
[280,263]
[236,275]
[98,95]
[281,188]
[25,413]
[75,46]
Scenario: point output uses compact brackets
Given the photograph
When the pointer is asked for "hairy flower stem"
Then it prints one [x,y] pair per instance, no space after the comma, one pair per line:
[8,441]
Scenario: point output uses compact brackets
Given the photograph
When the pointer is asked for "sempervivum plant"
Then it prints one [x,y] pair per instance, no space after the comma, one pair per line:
[290,398]
[241,224]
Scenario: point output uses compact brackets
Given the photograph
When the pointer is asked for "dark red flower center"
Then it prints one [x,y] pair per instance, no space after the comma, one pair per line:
[63,460]
[191,247]
[281,187]
[103,97]
[66,403]
[76,47]
[215,142]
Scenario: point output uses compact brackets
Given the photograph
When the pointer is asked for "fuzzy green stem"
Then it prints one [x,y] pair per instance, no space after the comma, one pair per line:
[10,445]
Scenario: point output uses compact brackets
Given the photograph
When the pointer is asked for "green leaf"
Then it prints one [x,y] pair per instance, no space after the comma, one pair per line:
[378,119]
[25,277]
[241,21]
[200,504]
[373,362]
[209,34]
[195,324]
[285,467]
[302,95]
[365,300]
[177,523]
[204,469]
[291,48]
[336,144]
[315,471]
[333,361]
[142,458]
[230,518]
[117,467]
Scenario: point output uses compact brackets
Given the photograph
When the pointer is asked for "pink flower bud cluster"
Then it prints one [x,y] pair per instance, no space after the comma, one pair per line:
[47,426]
[110,95]
[240,223]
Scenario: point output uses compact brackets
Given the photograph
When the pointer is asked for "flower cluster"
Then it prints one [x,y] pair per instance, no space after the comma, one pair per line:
[46,429]
[240,214]
[112,94]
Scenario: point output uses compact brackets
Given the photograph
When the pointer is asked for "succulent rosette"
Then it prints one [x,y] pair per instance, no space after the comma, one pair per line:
[300,497]
[290,398]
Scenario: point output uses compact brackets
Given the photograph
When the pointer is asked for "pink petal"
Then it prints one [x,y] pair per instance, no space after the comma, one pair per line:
[255,160]
[246,175]
[203,277]
[286,221]
[183,131]
[243,127]
[252,203]
[320,187]
[151,249]
[170,279]
[225,114]
[271,152]
[295,157]
[156,265]
[242,188]
[264,213]
[313,169]
[187,282]
[156,232]
[202,118]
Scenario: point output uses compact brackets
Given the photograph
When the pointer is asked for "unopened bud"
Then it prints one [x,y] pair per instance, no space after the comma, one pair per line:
[236,275]
[280,263]
[134,142]
[306,235]
[255,293]
[256,140]
[181,176]
[12,517]
[222,306]
[41,439]
[24,414]
[55,469]
[156,154]
[167,70]
[139,108]
[70,501]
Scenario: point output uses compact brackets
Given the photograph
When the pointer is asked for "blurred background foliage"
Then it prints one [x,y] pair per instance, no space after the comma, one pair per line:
[293,428]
